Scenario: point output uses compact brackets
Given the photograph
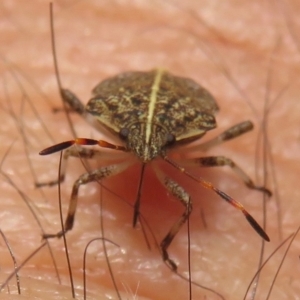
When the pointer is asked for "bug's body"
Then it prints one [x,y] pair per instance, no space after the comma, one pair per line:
[153,109]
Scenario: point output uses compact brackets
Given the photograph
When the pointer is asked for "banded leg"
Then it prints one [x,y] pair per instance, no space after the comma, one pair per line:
[220,161]
[93,176]
[78,107]
[177,191]
[227,135]
[236,204]
[73,102]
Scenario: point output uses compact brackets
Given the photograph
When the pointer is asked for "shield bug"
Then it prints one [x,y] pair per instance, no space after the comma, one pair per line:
[152,113]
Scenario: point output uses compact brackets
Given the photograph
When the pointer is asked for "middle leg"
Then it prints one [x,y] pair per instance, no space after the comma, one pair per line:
[220,161]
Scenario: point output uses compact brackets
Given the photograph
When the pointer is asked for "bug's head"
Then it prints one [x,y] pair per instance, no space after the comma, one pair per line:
[146,144]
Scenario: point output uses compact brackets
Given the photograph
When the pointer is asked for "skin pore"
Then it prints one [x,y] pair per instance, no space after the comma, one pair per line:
[97,39]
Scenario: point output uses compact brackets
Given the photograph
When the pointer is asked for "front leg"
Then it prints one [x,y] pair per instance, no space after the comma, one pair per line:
[72,101]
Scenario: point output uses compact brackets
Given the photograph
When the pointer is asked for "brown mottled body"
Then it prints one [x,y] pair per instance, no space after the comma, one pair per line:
[155,108]
[151,112]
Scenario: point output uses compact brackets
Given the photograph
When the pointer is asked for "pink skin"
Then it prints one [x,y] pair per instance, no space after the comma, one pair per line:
[141,37]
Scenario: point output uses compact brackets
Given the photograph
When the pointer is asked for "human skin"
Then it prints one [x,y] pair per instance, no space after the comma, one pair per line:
[99,39]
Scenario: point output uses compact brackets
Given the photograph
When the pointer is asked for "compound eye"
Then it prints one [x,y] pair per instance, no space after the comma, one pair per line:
[124,132]
[170,139]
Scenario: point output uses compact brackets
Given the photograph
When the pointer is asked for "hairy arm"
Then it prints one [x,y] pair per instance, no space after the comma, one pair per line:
[227,48]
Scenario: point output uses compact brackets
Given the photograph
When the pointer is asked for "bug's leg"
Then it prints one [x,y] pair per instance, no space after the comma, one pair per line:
[93,176]
[75,105]
[220,161]
[236,204]
[177,191]
[79,152]
[227,135]
[73,102]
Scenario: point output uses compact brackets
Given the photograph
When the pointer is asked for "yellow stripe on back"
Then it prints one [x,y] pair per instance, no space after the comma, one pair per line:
[152,102]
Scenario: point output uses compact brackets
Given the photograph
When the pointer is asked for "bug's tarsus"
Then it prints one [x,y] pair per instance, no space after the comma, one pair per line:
[47,236]
[167,259]
[262,189]
[50,183]
[67,227]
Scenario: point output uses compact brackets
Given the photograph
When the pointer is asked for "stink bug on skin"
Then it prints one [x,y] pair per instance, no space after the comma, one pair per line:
[152,112]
